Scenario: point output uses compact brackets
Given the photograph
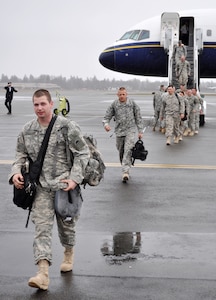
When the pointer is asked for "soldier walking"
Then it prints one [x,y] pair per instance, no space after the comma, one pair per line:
[172,109]
[127,119]
[183,71]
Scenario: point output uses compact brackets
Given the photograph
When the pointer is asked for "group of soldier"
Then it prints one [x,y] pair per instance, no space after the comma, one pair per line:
[177,112]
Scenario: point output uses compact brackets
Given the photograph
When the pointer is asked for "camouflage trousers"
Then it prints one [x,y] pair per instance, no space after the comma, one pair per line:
[124,144]
[197,117]
[43,214]
[183,78]
[172,125]
[191,121]
[157,118]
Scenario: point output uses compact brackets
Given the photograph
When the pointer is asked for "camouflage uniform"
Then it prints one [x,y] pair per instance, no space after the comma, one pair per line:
[184,124]
[183,70]
[178,52]
[127,118]
[55,168]
[171,108]
[157,100]
[191,115]
[197,112]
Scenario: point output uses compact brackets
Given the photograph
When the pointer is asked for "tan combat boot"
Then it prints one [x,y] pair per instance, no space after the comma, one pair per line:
[41,280]
[186,132]
[176,140]
[163,130]
[168,141]
[125,177]
[67,264]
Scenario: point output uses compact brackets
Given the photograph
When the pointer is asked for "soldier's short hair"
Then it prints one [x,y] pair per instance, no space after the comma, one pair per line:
[42,92]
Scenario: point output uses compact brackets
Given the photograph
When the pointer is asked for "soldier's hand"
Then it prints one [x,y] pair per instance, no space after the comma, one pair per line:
[107,128]
[140,135]
[18,181]
[70,184]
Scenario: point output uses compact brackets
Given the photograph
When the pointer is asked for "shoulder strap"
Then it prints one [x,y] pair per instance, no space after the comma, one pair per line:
[44,144]
[37,165]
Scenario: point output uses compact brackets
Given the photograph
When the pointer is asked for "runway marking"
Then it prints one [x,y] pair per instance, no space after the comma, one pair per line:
[147,166]
[166,166]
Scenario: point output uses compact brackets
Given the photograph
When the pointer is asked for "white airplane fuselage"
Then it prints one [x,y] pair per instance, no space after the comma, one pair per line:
[141,51]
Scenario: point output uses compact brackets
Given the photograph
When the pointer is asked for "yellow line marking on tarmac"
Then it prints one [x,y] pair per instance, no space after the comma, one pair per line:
[148,166]
[6,162]
[166,166]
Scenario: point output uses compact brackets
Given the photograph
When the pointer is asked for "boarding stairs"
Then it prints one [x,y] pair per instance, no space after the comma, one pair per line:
[170,23]
[190,58]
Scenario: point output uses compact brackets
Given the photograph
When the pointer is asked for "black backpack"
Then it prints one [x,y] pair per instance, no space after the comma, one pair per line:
[138,151]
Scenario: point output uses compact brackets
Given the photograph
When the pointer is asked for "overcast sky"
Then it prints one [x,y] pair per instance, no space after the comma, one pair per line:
[65,37]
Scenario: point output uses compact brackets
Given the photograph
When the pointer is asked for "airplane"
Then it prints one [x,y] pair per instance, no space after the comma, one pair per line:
[146,49]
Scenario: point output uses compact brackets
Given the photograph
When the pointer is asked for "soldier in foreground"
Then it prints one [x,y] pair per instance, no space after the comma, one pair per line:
[56,174]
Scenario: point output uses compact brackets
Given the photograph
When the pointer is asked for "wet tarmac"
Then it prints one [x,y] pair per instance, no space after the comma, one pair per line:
[153,238]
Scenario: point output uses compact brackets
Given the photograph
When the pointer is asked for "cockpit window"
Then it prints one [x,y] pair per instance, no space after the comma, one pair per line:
[145,34]
[126,36]
[136,35]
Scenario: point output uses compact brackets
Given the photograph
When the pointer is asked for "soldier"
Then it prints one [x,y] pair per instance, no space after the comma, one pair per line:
[127,118]
[179,51]
[183,70]
[189,130]
[182,89]
[157,100]
[56,174]
[184,121]
[173,109]
[198,107]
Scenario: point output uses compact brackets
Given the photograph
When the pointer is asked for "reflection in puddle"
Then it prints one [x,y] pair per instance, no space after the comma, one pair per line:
[123,247]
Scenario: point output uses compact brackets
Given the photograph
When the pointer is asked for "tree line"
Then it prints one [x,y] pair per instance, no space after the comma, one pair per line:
[77,83]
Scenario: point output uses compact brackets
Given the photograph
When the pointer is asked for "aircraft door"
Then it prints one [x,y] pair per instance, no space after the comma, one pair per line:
[199,40]
[169,30]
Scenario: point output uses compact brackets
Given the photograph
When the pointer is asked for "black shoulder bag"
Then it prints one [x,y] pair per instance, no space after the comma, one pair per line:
[24,198]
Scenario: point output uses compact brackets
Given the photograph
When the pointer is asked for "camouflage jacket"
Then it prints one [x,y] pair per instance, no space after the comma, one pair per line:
[55,166]
[127,117]
[172,105]
[157,100]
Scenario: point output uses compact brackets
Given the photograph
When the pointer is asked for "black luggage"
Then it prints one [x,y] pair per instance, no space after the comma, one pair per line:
[202,120]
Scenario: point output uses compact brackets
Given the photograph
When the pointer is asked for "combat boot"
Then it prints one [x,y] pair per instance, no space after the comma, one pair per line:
[163,130]
[191,133]
[125,177]
[67,264]
[41,280]
[186,132]
[168,141]
[176,140]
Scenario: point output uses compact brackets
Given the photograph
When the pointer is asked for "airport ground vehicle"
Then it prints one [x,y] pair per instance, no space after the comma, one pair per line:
[64,105]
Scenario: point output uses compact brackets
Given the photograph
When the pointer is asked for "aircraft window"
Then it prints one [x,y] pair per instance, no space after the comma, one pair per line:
[126,36]
[133,35]
[209,32]
[145,34]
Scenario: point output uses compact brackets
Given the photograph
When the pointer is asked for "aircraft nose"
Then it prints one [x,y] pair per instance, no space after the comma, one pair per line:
[107,59]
